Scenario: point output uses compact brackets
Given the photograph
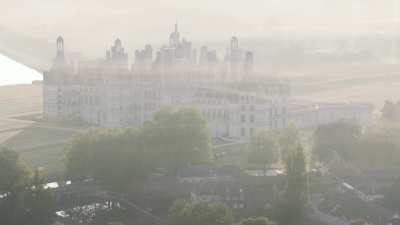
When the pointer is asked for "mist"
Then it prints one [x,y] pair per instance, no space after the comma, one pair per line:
[184,112]
[92,25]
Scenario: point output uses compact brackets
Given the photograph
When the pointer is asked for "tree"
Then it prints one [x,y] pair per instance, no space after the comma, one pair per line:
[359,222]
[178,138]
[288,139]
[116,157]
[25,200]
[264,148]
[379,147]
[335,139]
[296,196]
[13,178]
[39,202]
[184,212]
[79,153]
[123,158]
[112,157]
[392,196]
[13,173]
[257,221]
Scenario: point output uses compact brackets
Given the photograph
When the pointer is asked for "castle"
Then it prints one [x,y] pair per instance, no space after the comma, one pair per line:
[235,100]
[110,92]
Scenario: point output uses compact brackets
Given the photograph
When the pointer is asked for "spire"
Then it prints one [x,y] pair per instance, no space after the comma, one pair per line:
[174,36]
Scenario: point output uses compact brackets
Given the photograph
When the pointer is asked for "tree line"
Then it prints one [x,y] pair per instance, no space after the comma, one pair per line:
[115,157]
[368,148]
[371,148]
[184,212]
[23,197]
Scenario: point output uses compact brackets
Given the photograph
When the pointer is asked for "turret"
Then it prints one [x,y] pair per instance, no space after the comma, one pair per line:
[203,55]
[248,62]
[234,43]
[144,57]
[60,47]
[117,54]
[118,45]
[60,70]
[60,60]
[174,37]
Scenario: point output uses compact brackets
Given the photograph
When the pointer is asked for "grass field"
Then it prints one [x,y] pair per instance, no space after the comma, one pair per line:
[39,147]
[39,143]
[31,136]
[20,99]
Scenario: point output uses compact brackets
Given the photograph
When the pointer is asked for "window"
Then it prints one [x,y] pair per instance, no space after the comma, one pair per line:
[243,132]
[251,118]
[251,131]
[243,118]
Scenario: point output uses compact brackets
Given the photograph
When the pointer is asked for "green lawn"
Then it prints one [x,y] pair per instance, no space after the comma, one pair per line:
[39,147]
[30,137]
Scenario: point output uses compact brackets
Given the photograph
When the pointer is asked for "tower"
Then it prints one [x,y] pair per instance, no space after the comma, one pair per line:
[60,47]
[118,45]
[174,37]
[235,58]
[117,54]
[60,61]
[234,43]
[248,62]
[203,55]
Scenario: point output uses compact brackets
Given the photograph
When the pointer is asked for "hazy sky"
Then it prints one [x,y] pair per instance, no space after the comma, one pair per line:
[90,22]
[15,73]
